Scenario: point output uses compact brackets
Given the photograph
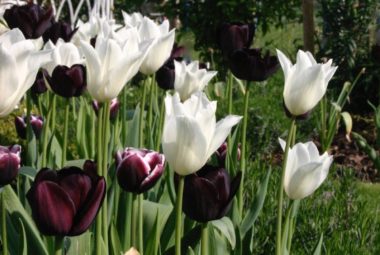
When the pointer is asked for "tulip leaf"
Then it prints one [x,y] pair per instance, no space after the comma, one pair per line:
[133,129]
[28,171]
[225,226]
[347,122]
[115,241]
[77,163]
[240,84]
[17,212]
[318,249]
[154,237]
[190,239]
[219,89]
[257,206]
[190,251]
[151,210]
[23,241]
[32,149]
[218,243]
[79,244]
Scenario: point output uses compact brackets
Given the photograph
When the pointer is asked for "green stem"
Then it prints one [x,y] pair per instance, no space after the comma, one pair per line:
[178,221]
[140,244]
[29,131]
[150,109]
[54,112]
[58,245]
[106,132]
[281,189]
[134,221]
[46,133]
[65,133]
[99,162]
[161,125]
[229,139]
[204,241]
[4,225]
[124,117]
[141,119]
[243,149]
[323,104]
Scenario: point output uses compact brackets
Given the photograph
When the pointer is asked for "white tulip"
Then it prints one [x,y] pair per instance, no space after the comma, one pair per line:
[305,82]
[191,134]
[110,65]
[63,53]
[20,60]
[190,79]
[132,20]
[162,43]
[305,169]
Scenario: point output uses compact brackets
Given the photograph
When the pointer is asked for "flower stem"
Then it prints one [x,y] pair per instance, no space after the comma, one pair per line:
[134,221]
[99,162]
[161,125]
[229,139]
[243,163]
[150,107]
[3,225]
[204,241]
[58,245]
[106,132]
[65,133]
[281,189]
[141,119]
[46,133]
[178,221]
[29,131]
[140,244]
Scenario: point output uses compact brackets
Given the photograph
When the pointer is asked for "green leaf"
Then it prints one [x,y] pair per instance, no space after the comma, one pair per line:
[347,122]
[28,171]
[133,129]
[79,244]
[115,241]
[318,249]
[150,214]
[17,212]
[257,206]
[23,241]
[225,226]
[77,163]
[154,237]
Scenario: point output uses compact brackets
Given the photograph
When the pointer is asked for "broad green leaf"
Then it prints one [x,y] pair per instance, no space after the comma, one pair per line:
[225,226]
[347,122]
[77,163]
[23,250]
[257,206]
[28,171]
[80,244]
[154,237]
[133,129]
[17,212]
[115,241]
[150,213]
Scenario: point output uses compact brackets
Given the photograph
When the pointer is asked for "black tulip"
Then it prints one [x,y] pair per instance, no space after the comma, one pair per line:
[68,81]
[208,193]
[31,19]
[36,123]
[39,86]
[65,202]
[250,65]
[9,163]
[58,30]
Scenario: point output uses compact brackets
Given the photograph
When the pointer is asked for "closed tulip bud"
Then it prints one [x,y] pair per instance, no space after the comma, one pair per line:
[68,81]
[31,19]
[191,134]
[36,122]
[208,193]
[165,75]
[39,86]
[58,30]
[221,154]
[114,108]
[250,65]
[305,82]
[66,202]
[305,169]
[138,169]
[234,36]
[9,163]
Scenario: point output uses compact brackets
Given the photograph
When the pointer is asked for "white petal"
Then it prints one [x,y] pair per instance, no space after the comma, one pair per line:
[284,62]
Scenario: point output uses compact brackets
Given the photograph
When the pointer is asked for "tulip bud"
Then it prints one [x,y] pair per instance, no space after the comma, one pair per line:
[66,202]
[165,75]
[208,193]
[249,65]
[234,36]
[9,163]
[114,108]
[221,154]
[68,81]
[39,86]
[58,30]
[31,19]
[36,122]
[138,169]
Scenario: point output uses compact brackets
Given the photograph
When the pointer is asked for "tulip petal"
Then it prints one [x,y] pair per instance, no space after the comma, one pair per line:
[132,171]
[284,62]
[93,69]
[235,184]
[53,209]
[152,178]
[222,129]
[87,213]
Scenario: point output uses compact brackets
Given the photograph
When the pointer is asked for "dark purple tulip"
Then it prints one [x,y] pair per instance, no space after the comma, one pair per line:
[249,65]
[58,30]
[208,193]
[177,52]
[36,122]
[138,169]
[68,82]
[31,19]
[9,163]
[221,154]
[234,36]
[39,86]
[114,108]
[376,53]
[66,202]
[165,75]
